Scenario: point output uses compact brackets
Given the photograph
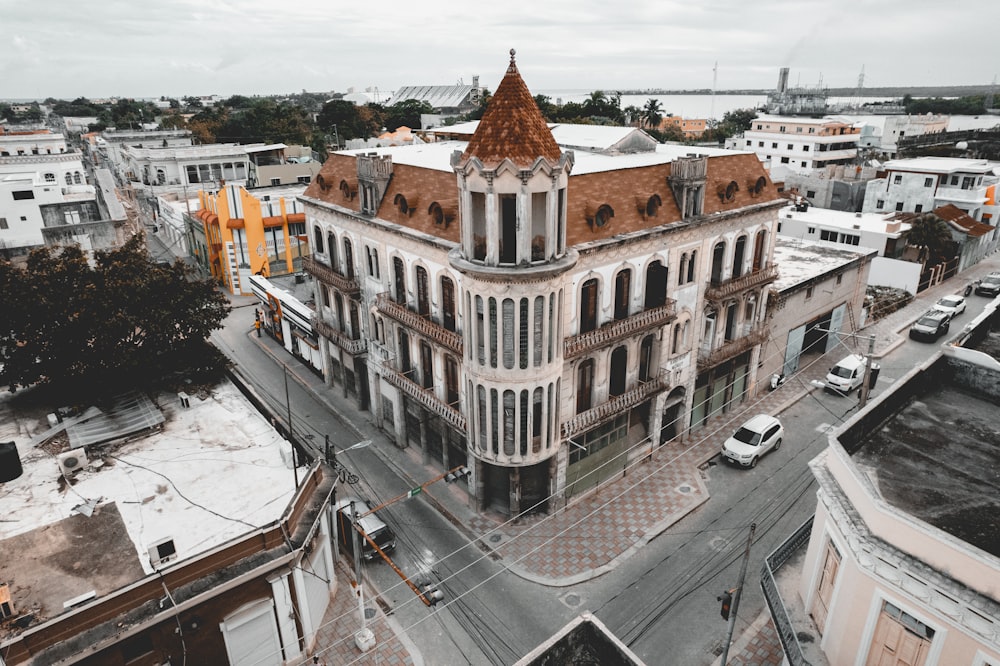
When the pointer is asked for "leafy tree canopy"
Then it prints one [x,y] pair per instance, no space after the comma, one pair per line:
[349,121]
[963,106]
[123,322]
[406,113]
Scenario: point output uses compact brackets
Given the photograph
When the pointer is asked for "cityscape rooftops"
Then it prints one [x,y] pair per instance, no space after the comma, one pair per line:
[154,479]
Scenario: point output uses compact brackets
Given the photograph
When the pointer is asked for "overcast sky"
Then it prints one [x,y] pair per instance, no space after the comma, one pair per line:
[148,48]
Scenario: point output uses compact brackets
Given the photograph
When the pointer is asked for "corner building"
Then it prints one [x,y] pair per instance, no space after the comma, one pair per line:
[541,304]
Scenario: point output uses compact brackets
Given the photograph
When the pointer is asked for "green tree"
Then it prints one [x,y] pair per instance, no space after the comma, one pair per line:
[652,113]
[406,113]
[128,323]
[633,115]
[932,236]
[349,120]
[545,105]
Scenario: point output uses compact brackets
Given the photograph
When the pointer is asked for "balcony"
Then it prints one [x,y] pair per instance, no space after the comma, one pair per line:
[342,340]
[779,578]
[733,348]
[347,286]
[425,397]
[421,324]
[619,329]
[616,405]
[718,291]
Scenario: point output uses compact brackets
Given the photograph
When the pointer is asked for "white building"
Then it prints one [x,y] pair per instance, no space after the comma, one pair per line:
[111,143]
[867,230]
[196,167]
[921,184]
[882,133]
[542,305]
[797,144]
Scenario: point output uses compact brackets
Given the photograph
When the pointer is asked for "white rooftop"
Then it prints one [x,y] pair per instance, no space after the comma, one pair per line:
[799,261]
[871,222]
[188,152]
[214,471]
[941,165]
[801,120]
[438,155]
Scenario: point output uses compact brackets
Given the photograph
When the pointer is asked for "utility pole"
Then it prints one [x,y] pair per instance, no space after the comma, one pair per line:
[291,441]
[866,382]
[365,638]
[736,596]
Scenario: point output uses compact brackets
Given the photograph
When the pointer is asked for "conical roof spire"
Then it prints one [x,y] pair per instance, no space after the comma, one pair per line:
[512,126]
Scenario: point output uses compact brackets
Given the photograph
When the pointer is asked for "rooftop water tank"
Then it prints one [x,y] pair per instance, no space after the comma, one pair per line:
[10,462]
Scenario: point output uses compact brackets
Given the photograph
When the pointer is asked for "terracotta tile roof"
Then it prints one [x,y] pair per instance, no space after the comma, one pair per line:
[959,220]
[512,127]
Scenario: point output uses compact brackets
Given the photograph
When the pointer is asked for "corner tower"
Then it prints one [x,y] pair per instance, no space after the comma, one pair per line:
[512,180]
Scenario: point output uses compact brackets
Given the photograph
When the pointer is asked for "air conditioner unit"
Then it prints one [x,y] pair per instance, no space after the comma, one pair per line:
[72,461]
[162,552]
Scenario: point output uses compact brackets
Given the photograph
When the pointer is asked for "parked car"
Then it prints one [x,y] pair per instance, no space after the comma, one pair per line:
[370,524]
[954,305]
[990,286]
[849,373]
[931,325]
[760,435]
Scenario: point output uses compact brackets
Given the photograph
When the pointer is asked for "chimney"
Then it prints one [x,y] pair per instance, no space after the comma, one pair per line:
[783,80]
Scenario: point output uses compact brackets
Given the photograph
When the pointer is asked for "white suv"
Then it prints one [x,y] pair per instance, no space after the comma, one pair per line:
[759,435]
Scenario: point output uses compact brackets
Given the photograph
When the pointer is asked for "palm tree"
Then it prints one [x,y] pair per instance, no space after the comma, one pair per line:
[652,113]
[931,234]
[633,114]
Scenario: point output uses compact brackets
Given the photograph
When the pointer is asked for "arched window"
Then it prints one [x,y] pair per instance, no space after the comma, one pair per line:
[584,385]
[76,178]
[623,293]
[588,306]
[50,178]
[646,359]
[738,256]
[718,256]
[759,248]
[656,286]
[448,303]
[399,280]
[348,259]
[423,295]
[619,368]
[682,273]
[318,239]
[426,365]
[69,178]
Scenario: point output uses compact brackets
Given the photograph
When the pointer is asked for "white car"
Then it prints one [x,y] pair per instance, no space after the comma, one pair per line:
[760,435]
[954,305]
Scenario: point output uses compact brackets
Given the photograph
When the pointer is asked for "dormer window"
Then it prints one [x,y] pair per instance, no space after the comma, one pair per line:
[653,205]
[599,216]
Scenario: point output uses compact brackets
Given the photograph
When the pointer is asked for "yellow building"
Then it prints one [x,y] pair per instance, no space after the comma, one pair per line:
[691,127]
[248,233]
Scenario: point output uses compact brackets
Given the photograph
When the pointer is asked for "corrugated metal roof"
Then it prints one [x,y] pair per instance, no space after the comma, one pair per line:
[437,96]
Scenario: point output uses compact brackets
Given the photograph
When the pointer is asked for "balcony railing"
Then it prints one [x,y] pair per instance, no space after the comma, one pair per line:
[733,348]
[779,614]
[619,329]
[425,397]
[717,291]
[352,347]
[616,405]
[425,326]
[347,286]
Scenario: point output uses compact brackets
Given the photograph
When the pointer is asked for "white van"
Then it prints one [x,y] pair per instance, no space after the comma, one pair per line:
[848,374]
[370,524]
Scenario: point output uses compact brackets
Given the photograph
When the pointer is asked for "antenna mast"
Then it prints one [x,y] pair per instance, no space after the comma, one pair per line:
[715,78]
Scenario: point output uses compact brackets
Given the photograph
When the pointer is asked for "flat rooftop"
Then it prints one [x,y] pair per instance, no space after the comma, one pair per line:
[201,476]
[799,260]
[844,220]
[935,457]
[942,165]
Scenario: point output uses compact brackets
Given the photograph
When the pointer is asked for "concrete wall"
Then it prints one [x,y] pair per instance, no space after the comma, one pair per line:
[895,273]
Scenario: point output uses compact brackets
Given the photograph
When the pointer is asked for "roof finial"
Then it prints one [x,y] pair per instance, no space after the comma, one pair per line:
[513,66]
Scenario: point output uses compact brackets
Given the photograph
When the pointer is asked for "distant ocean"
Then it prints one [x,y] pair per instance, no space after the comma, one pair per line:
[692,106]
